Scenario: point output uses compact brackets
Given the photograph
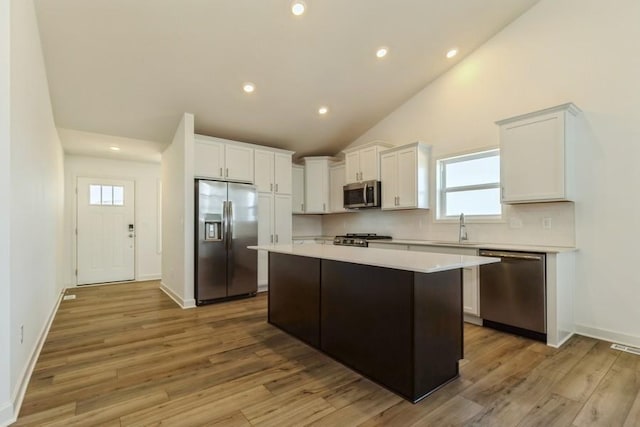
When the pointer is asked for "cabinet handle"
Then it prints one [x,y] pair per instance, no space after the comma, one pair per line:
[502,192]
[276,238]
[227,172]
[276,188]
[301,207]
[220,171]
[270,187]
[324,207]
[356,176]
[272,238]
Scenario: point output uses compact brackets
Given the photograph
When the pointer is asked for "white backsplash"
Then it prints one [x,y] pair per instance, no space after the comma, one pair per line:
[307,225]
[522,224]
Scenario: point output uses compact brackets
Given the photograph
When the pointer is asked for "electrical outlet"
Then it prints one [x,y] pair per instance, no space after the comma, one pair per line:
[21,334]
[546,223]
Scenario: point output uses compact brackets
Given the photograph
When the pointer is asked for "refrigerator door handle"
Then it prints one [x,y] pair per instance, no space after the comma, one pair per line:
[224,223]
[229,223]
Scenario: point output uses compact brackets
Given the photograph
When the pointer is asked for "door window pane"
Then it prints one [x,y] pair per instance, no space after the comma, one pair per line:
[95,194]
[107,195]
[118,195]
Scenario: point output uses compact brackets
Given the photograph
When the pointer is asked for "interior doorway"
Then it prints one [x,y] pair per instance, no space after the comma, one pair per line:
[105,231]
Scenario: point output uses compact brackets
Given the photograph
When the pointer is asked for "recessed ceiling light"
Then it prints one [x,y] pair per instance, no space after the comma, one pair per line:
[323,110]
[382,52]
[248,87]
[114,148]
[298,7]
[452,53]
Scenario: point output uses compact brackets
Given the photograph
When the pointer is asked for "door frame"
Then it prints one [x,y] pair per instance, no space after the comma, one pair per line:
[74,229]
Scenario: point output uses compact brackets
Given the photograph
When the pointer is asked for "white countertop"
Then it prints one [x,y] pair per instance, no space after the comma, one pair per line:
[452,244]
[421,262]
[477,245]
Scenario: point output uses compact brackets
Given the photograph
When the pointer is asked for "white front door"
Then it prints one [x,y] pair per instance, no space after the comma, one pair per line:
[105,231]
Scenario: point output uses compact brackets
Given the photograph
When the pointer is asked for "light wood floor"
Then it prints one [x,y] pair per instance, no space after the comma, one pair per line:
[125,355]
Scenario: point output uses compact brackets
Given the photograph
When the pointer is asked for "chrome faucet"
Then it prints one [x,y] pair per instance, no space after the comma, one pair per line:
[462,235]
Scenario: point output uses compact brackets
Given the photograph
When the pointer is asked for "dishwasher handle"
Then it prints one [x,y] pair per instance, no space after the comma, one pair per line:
[511,255]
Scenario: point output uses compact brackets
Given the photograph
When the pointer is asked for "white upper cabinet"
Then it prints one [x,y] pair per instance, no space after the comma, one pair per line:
[316,184]
[405,176]
[536,155]
[273,171]
[362,163]
[222,159]
[336,182]
[297,173]
[208,159]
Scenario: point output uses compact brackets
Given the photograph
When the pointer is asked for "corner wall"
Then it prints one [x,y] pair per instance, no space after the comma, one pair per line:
[147,211]
[6,405]
[36,200]
[584,51]
[177,214]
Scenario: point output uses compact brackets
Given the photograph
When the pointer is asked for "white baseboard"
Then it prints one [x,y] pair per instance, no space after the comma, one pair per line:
[606,335]
[148,277]
[470,318]
[263,288]
[7,414]
[190,303]
[21,386]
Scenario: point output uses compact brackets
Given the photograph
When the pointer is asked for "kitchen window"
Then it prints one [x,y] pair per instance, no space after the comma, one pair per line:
[469,184]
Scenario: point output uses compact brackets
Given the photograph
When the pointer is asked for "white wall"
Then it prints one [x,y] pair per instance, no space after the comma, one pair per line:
[177,214]
[585,51]
[147,184]
[36,200]
[6,406]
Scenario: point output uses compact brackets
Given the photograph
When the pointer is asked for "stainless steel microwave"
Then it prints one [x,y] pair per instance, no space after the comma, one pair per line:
[361,195]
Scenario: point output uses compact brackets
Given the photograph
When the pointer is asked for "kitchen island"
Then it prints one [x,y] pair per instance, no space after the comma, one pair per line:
[393,316]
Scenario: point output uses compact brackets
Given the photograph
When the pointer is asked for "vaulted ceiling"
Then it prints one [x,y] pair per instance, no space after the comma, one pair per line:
[131,68]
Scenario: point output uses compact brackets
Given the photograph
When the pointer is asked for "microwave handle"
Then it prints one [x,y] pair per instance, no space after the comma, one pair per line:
[364,194]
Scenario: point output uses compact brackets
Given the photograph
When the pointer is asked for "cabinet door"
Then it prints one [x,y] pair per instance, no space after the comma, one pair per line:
[282,219]
[297,174]
[369,167]
[265,233]
[352,167]
[282,173]
[407,179]
[316,187]
[389,175]
[264,167]
[470,291]
[208,159]
[532,159]
[239,163]
[336,182]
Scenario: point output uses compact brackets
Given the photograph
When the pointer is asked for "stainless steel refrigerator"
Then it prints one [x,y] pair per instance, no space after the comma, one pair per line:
[226,223]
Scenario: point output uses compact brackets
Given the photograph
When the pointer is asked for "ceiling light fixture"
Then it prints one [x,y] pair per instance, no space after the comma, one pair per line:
[452,53]
[323,110]
[114,148]
[382,52]
[248,87]
[298,7]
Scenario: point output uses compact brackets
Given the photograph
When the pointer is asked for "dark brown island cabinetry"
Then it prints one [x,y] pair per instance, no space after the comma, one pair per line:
[402,329]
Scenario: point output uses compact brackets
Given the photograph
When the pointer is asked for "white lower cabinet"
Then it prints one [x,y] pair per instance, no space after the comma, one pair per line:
[470,276]
[274,226]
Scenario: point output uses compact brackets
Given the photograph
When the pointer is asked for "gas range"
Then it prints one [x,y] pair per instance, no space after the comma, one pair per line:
[358,239]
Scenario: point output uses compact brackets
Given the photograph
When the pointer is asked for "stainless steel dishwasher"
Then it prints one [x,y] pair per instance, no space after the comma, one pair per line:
[513,293]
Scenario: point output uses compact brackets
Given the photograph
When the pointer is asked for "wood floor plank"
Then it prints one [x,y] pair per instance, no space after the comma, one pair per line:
[127,355]
[580,381]
[614,396]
